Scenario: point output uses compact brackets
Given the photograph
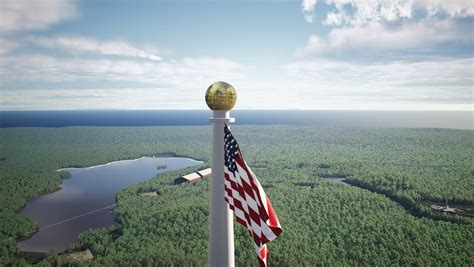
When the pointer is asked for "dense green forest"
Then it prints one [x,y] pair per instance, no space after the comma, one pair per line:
[323,222]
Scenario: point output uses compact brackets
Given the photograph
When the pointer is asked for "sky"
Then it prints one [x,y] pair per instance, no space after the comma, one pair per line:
[310,54]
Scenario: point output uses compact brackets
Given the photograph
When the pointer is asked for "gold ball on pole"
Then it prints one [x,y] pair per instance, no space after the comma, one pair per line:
[221,96]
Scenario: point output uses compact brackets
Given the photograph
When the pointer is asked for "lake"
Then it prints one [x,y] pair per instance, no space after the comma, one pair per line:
[82,203]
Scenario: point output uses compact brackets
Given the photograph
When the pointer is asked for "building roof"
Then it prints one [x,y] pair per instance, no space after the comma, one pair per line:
[205,172]
[192,176]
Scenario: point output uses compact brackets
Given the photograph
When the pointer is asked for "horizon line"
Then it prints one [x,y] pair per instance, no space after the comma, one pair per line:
[412,110]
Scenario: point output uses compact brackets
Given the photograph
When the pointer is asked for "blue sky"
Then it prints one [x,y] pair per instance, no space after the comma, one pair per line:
[332,54]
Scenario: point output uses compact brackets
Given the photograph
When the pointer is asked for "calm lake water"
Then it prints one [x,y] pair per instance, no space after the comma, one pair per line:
[88,190]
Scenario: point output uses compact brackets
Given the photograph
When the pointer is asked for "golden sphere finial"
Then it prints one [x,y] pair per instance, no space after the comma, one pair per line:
[221,96]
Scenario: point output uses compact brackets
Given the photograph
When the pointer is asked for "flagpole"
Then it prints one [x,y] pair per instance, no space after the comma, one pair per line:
[220,97]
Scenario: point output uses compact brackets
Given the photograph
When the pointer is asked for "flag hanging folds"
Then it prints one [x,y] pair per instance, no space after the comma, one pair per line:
[246,198]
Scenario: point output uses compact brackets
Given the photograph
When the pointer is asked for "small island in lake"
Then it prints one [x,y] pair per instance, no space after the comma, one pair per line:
[161,166]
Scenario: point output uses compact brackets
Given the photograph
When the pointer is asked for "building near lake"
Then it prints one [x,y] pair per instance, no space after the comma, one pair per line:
[193,177]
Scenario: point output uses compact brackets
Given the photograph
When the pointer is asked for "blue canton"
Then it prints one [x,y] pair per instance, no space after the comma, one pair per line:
[231,150]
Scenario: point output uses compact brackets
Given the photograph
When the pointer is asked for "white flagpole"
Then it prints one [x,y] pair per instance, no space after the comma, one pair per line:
[221,243]
[220,97]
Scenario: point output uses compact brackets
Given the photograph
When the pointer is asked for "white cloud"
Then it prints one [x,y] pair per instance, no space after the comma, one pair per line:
[304,84]
[89,45]
[187,72]
[452,8]
[363,12]
[7,45]
[378,36]
[101,98]
[383,30]
[358,12]
[444,83]
[395,72]
[391,25]
[167,85]
[21,15]
[17,16]
[308,9]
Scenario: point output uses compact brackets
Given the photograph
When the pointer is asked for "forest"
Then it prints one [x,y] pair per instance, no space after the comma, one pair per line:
[379,219]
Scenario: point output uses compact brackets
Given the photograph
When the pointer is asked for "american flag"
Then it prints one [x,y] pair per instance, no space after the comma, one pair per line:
[246,198]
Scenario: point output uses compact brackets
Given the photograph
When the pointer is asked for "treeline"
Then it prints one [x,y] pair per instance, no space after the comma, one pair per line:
[416,208]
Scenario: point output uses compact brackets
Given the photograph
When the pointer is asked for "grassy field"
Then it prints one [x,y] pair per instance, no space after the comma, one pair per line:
[323,222]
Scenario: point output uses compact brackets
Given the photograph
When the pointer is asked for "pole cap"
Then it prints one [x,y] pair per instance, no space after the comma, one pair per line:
[221,96]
